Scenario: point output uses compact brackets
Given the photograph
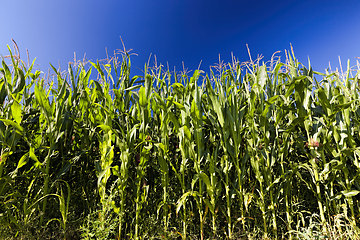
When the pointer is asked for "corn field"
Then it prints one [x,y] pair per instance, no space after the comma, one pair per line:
[253,150]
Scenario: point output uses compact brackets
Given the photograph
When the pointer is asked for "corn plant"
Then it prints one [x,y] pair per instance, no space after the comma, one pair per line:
[243,150]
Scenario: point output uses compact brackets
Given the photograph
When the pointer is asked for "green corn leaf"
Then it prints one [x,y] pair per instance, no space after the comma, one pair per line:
[194,109]
[211,206]
[182,201]
[7,72]
[209,187]
[272,100]
[13,124]
[276,181]
[179,105]
[178,85]
[143,101]
[104,127]
[16,111]
[186,131]
[43,101]
[351,193]
[3,92]
[132,88]
[20,82]
[23,160]
[261,77]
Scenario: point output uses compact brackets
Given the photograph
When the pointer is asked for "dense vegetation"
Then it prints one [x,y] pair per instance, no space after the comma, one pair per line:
[247,151]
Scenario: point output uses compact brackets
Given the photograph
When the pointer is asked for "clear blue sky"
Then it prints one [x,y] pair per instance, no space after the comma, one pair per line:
[179,31]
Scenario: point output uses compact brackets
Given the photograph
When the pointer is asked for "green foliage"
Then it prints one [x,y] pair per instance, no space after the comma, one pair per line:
[250,150]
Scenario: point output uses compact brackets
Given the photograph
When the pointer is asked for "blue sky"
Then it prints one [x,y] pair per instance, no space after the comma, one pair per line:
[186,31]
